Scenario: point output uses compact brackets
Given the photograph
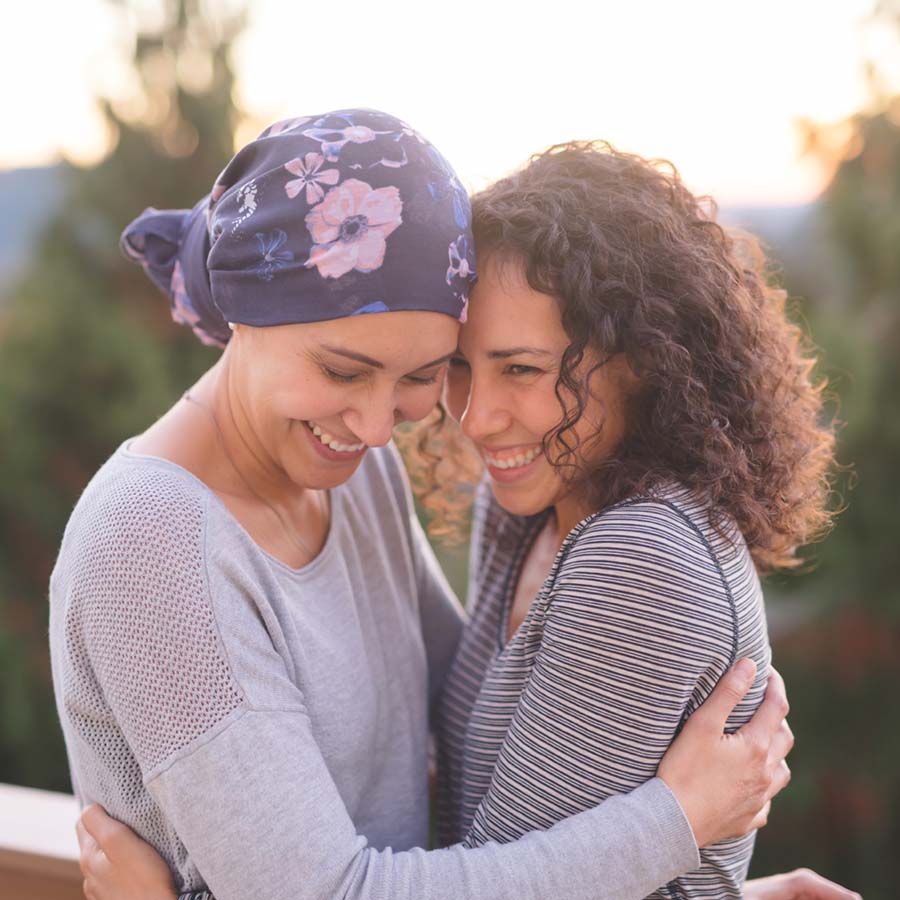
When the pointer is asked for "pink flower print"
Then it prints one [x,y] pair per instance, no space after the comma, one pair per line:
[309,176]
[333,139]
[350,227]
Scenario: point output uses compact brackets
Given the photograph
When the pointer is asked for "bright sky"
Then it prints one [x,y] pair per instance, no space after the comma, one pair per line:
[714,85]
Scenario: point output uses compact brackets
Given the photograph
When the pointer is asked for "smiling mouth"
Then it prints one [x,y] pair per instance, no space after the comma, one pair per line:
[513,461]
[332,442]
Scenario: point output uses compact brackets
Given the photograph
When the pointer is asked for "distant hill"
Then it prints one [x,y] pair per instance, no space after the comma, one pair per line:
[795,237]
[775,224]
[30,197]
[28,200]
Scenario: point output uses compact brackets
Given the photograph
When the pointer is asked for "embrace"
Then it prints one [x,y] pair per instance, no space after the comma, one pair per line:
[254,649]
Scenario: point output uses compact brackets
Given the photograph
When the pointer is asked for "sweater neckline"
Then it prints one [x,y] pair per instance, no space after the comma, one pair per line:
[335,499]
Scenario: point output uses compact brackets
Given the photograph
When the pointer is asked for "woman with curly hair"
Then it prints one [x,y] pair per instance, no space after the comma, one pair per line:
[554,704]
[652,441]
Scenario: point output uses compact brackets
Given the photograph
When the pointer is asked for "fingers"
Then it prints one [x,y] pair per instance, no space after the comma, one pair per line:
[780,780]
[732,688]
[806,883]
[92,860]
[104,830]
[88,847]
[783,742]
[774,708]
[762,817]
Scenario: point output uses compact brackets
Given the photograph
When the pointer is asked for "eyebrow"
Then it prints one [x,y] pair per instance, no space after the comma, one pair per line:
[516,351]
[375,364]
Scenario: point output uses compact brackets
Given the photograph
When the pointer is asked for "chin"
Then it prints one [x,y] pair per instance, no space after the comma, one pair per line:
[310,472]
[520,503]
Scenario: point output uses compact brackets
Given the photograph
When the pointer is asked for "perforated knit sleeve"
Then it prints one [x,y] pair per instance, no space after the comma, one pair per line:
[140,630]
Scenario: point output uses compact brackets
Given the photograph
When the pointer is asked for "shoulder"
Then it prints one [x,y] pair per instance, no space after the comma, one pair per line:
[653,552]
[133,495]
[139,521]
[670,528]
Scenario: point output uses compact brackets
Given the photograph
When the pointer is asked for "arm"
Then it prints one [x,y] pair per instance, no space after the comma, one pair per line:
[700,768]
[129,868]
[189,659]
[304,845]
[634,634]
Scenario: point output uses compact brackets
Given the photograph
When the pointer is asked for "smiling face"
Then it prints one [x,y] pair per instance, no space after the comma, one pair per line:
[502,388]
[311,399]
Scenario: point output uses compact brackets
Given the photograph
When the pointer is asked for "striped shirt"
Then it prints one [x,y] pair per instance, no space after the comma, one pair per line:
[645,608]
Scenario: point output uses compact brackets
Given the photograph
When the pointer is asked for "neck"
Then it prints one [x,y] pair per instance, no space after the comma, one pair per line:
[243,461]
[568,512]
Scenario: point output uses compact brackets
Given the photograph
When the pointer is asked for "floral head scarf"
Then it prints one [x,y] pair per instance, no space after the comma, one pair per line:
[322,217]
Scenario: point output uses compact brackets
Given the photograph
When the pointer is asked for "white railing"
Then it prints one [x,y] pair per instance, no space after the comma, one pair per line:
[38,847]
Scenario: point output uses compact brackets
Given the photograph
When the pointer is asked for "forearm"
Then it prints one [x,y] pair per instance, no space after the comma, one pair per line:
[247,848]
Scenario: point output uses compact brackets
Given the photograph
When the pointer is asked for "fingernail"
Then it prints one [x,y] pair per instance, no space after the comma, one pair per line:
[745,669]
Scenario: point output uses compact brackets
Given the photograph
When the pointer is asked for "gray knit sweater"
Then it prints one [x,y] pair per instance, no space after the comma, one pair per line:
[266,728]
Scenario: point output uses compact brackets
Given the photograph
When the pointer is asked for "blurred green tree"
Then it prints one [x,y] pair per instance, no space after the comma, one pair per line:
[88,353]
[841,659]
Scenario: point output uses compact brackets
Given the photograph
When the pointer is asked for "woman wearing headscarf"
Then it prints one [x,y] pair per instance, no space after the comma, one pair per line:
[247,624]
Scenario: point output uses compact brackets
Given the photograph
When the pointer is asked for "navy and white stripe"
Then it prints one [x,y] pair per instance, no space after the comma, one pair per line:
[644,610]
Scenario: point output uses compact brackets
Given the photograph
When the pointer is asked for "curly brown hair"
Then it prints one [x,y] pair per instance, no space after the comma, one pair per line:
[728,406]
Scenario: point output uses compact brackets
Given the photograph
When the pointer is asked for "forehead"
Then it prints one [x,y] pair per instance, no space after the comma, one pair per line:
[405,338]
[505,311]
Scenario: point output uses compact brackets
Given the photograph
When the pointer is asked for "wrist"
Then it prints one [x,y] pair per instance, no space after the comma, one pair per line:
[694,811]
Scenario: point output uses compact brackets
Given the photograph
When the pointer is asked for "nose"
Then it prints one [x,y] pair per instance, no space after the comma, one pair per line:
[373,420]
[487,412]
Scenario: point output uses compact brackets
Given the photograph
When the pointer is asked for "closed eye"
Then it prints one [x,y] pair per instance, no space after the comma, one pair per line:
[340,377]
[423,379]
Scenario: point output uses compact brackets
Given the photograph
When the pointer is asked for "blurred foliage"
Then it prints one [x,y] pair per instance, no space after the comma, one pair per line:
[839,644]
[88,356]
[88,352]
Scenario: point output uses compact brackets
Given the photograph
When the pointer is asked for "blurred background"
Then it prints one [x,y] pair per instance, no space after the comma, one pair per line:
[787,112]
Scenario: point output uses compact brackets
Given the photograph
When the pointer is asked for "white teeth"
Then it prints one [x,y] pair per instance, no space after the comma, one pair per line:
[513,462]
[332,442]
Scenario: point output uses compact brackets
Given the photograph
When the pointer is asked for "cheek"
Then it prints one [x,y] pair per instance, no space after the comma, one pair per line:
[537,407]
[419,402]
[305,400]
